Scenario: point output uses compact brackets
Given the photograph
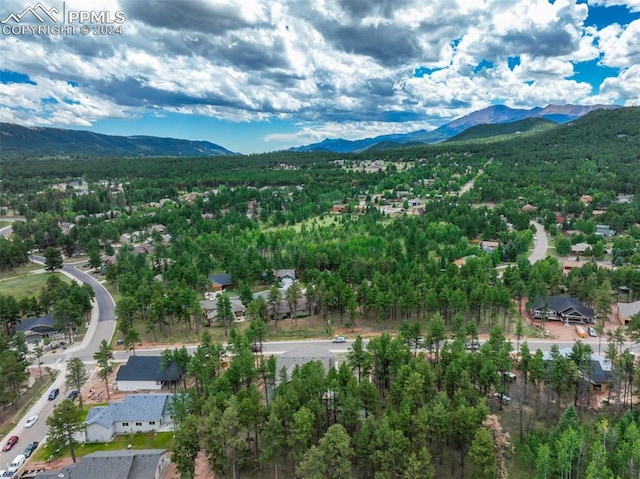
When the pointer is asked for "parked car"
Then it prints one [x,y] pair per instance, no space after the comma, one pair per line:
[31,421]
[10,443]
[18,461]
[73,395]
[509,376]
[502,397]
[256,348]
[30,449]
[581,332]
[54,394]
[592,331]
[339,339]
[472,345]
[10,474]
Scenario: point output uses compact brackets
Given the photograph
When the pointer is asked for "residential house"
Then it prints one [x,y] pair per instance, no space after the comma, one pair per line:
[586,199]
[143,373]
[598,375]
[210,308]
[562,308]
[136,413]
[38,329]
[489,245]
[528,208]
[221,282]
[580,249]
[65,227]
[604,231]
[569,265]
[416,210]
[286,277]
[144,248]
[288,361]
[339,208]
[627,310]
[122,464]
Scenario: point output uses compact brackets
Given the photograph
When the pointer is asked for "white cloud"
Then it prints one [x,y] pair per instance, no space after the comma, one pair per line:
[632,5]
[344,67]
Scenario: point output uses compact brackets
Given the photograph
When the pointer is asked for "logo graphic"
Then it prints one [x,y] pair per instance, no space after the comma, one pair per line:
[40,20]
[38,7]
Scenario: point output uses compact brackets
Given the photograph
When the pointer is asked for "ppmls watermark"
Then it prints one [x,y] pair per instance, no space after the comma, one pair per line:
[40,20]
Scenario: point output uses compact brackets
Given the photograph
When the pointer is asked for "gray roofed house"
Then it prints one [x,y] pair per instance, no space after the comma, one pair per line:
[36,329]
[146,373]
[562,308]
[627,310]
[301,355]
[124,464]
[605,231]
[136,413]
[210,309]
[286,277]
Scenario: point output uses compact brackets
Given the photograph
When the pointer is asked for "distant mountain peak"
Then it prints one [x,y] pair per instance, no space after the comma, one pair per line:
[492,114]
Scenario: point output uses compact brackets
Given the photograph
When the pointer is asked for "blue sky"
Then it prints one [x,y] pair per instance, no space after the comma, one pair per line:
[264,75]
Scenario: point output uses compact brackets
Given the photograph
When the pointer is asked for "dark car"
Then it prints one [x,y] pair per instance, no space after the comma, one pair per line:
[73,395]
[30,449]
[54,394]
[256,348]
[10,443]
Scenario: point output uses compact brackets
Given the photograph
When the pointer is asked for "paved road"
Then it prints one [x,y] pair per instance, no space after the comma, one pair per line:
[101,327]
[540,242]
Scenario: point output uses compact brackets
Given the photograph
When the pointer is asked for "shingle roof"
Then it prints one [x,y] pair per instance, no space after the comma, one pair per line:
[135,407]
[301,355]
[564,303]
[125,464]
[223,279]
[629,309]
[28,324]
[147,368]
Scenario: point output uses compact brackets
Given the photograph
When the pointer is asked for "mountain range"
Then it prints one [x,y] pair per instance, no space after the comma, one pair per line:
[21,140]
[496,114]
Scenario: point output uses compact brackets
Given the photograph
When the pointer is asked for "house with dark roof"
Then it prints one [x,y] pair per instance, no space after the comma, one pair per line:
[123,464]
[221,282]
[143,373]
[136,413]
[599,374]
[37,329]
[562,308]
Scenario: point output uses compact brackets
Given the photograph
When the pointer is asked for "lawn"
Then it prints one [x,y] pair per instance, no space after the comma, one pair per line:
[27,284]
[22,270]
[151,440]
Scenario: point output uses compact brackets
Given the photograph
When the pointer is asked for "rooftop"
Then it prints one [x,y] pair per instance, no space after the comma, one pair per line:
[135,407]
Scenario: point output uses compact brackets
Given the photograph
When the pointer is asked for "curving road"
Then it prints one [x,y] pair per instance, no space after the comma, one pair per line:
[101,326]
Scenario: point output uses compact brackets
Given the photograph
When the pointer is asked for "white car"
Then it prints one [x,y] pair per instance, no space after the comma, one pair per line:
[31,421]
[502,397]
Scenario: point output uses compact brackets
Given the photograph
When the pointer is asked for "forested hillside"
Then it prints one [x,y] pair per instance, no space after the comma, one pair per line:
[394,239]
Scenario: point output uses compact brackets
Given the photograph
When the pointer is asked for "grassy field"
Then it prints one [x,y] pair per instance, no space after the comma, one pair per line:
[22,270]
[26,285]
[151,440]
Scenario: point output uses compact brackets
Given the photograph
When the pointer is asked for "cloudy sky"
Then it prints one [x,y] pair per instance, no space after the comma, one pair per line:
[263,75]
